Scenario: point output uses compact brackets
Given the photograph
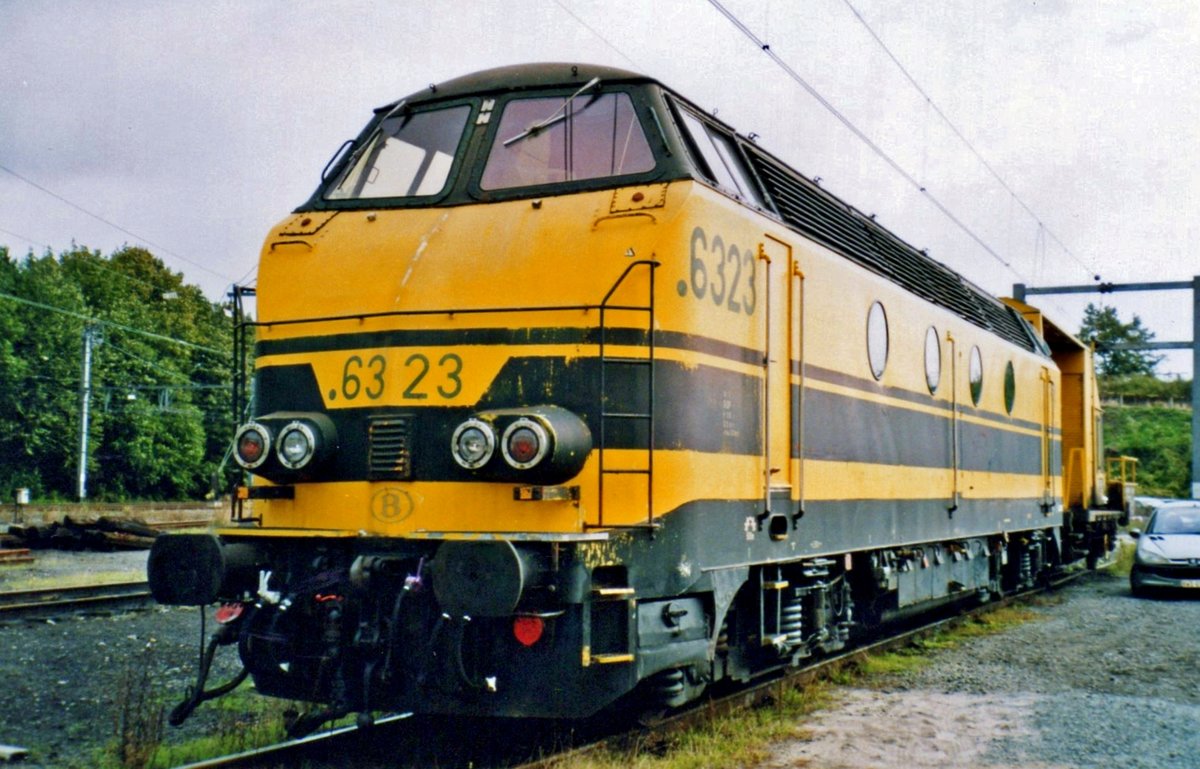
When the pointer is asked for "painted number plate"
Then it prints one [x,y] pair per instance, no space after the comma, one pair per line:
[1190,583]
[404,376]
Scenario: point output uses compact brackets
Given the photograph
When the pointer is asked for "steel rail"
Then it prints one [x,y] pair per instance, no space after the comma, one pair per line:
[284,753]
[59,601]
[198,523]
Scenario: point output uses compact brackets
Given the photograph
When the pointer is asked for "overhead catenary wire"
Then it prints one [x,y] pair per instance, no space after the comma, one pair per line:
[182,379]
[1042,228]
[109,323]
[30,241]
[72,384]
[602,38]
[858,133]
[114,225]
[102,264]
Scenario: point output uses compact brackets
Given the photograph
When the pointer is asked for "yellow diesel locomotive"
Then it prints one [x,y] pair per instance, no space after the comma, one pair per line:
[568,396]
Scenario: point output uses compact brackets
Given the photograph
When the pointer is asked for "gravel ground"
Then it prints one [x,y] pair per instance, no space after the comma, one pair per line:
[1100,680]
[73,568]
[65,681]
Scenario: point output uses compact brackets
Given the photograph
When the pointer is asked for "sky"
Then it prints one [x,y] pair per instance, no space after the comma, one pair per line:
[1063,137]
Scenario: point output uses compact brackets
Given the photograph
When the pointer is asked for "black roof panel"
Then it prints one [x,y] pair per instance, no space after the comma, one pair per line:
[519,77]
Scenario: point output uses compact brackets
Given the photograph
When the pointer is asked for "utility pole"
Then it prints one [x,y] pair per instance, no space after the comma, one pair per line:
[91,337]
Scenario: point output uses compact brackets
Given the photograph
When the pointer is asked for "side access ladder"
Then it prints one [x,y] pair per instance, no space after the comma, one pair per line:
[610,418]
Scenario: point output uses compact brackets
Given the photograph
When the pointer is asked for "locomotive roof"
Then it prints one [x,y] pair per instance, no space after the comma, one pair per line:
[520,77]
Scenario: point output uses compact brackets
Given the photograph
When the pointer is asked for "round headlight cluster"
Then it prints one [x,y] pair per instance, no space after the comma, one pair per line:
[473,444]
[524,444]
[297,445]
[252,445]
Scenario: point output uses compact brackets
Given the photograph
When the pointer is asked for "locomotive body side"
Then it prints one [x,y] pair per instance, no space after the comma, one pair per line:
[527,450]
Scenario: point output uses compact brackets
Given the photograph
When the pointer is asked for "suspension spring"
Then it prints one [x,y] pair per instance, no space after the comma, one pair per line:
[667,685]
[791,620]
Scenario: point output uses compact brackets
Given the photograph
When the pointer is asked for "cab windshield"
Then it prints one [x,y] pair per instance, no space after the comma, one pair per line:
[549,140]
[410,155]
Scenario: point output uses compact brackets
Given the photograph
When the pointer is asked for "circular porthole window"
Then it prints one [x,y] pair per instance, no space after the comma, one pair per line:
[975,375]
[933,360]
[1010,387]
[877,339]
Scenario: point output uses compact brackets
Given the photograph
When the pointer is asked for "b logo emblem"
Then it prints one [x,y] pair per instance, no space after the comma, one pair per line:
[391,505]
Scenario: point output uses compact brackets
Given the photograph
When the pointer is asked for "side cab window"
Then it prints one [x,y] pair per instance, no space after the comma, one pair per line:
[716,154]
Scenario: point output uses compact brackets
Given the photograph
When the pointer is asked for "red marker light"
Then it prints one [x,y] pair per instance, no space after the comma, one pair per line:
[253,442]
[228,612]
[250,447]
[528,630]
[523,445]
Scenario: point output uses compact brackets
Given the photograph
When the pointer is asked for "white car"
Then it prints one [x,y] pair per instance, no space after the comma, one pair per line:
[1168,551]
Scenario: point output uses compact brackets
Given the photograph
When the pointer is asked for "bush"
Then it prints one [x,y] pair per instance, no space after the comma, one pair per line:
[1161,439]
[1146,389]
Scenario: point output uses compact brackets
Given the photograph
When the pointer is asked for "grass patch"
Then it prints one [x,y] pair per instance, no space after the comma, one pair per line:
[1124,562]
[892,663]
[246,720]
[243,720]
[737,739]
[996,621]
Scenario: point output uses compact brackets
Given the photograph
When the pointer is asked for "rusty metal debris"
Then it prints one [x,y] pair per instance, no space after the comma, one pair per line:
[92,534]
[15,555]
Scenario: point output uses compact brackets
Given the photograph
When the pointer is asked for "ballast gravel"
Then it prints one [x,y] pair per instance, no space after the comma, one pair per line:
[1099,679]
[64,682]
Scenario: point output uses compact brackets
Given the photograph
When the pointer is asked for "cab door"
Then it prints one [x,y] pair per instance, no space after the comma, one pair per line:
[1047,440]
[782,403]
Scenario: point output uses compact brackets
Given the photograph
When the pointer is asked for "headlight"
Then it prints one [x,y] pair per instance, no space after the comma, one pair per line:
[524,444]
[1147,556]
[297,445]
[473,444]
[252,444]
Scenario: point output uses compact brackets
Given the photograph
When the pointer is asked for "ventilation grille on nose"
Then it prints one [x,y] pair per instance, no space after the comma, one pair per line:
[390,453]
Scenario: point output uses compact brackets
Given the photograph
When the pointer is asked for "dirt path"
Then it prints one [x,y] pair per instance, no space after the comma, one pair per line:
[1100,679]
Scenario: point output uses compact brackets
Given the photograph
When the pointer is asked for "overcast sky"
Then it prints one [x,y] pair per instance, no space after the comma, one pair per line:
[192,127]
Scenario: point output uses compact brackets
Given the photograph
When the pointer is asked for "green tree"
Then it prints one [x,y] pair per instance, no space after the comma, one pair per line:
[1102,326]
[42,402]
[160,416]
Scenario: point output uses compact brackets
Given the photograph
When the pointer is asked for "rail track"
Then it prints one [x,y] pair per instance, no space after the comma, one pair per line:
[332,748]
[52,602]
[44,603]
[196,523]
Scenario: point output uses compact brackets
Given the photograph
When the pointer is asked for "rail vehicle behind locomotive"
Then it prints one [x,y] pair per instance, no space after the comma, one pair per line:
[568,395]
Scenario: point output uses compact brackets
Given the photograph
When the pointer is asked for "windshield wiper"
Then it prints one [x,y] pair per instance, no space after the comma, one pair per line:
[557,116]
[357,150]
